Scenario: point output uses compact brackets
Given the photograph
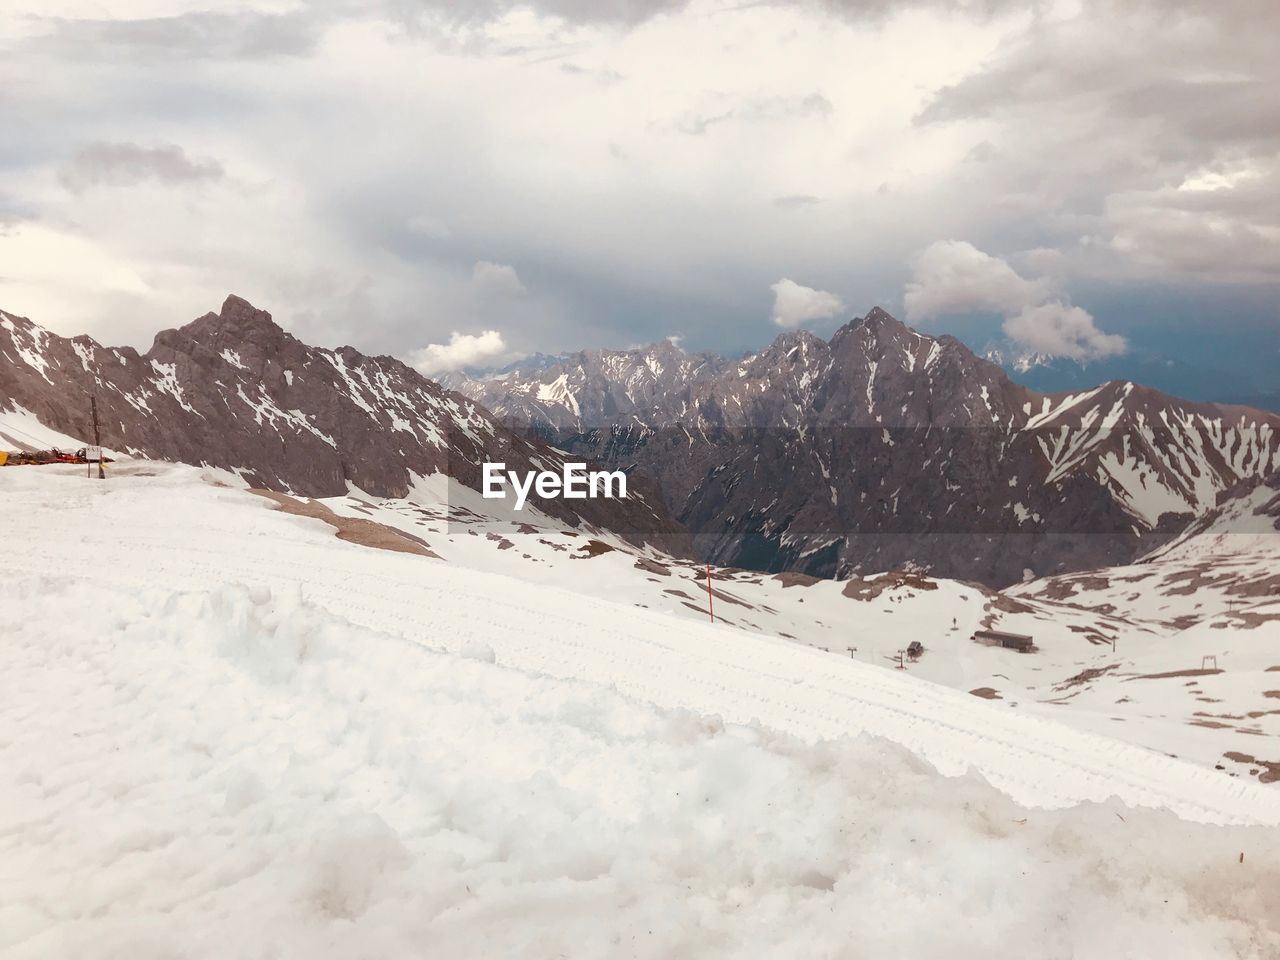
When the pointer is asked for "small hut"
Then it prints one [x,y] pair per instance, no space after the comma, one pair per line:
[1010,641]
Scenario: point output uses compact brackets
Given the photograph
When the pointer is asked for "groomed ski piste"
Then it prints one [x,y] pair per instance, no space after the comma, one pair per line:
[227,733]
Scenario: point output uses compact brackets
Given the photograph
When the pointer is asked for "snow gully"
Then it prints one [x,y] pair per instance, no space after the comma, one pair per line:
[575,482]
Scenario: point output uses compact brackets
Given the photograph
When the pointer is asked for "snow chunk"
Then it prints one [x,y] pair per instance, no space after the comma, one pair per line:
[473,650]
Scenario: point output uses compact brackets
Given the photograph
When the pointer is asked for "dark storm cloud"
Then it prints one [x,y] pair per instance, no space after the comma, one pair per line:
[1229,232]
[1155,122]
[794,200]
[247,35]
[426,137]
[197,35]
[882,9]
[125,164]
[577,11]
[633,12]
[1191,72]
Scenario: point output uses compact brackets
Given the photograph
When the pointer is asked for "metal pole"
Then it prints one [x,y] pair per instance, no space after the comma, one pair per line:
[97,436]
[710,606]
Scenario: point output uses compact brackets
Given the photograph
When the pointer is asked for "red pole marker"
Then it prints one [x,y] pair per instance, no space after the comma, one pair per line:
[710,606]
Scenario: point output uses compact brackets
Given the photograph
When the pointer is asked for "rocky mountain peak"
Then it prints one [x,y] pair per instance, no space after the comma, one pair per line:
[663,347]
[878,316]
[239,312]
[15,321]
[796,338]
[882,325]
[233,390]
[237,321]
[873,334]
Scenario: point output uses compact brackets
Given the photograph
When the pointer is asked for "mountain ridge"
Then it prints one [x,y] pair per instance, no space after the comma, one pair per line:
[234,390]
[882,431]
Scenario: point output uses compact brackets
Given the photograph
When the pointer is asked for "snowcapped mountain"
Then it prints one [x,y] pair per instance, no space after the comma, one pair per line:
[641,387]
[1017,359]
[883,447]
[235,391]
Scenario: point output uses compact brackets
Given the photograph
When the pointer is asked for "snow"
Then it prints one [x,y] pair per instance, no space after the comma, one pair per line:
[166,380]
[544,627]
[20,429]
[266,408]
[353,389]
[240,774]
[559,392]
[1049,411]
[32,352]
[276,743]
[85,353]
[1139,489]
[1023,514]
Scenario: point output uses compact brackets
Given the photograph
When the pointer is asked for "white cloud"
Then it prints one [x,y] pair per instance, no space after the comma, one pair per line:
[1062,330]
[462,350]
[795,304]
[124,164]
[635,227]
[63,281]
[432,228]
[497,277]
[953,276]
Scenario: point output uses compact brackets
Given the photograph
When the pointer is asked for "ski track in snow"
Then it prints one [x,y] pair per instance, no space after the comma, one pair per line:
[157,533]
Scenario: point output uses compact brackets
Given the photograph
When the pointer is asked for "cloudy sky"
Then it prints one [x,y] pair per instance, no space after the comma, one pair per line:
[465,181]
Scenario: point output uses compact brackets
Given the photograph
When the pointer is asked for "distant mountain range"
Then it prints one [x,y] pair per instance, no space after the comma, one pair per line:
[881,448]
[233,390]
[885,448]
[1050,374]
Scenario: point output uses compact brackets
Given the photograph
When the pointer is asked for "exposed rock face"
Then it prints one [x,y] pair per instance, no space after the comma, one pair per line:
[576,393]
[884,448]
[233,390]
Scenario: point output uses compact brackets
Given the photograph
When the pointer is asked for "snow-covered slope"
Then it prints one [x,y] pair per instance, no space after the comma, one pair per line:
[166,530]
[1119,651]
[228,733]
[1102,665]
[20,429]
[1212,575]
[1196,664]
